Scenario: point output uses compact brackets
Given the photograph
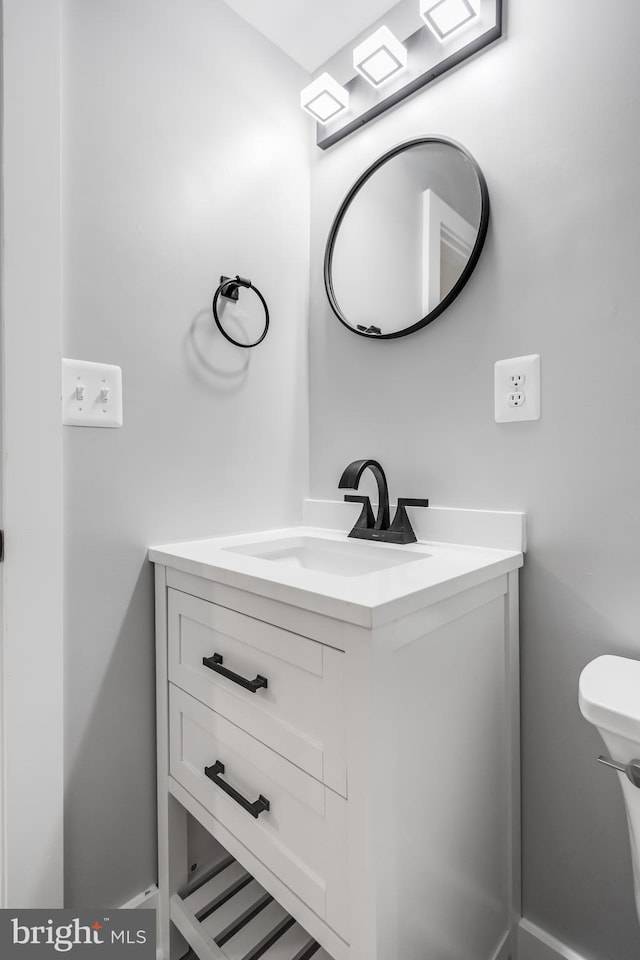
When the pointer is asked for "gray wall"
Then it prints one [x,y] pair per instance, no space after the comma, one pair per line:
[551,114]
[185,155]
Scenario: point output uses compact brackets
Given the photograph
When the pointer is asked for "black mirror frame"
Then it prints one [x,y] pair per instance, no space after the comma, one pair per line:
[464,276]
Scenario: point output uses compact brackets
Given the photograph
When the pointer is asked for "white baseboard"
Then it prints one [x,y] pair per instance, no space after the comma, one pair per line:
[147,900]
[504,950]
[534,943]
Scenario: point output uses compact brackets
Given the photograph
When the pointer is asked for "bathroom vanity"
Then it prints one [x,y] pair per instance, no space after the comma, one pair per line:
[342,718]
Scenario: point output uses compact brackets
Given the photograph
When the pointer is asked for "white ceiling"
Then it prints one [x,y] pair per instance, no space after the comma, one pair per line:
[310,31]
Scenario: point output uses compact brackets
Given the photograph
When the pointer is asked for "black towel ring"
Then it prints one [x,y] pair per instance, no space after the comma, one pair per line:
[229,289]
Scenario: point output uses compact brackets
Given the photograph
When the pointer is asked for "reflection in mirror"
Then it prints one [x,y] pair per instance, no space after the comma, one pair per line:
[406,238]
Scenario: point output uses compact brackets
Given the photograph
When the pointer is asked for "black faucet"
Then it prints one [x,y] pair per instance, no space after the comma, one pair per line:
[366,528]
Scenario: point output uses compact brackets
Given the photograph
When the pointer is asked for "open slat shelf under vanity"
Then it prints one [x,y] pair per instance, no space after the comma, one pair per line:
[228,915]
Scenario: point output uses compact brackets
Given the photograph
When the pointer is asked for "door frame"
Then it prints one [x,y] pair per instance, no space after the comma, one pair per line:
[442,226]
[31,635]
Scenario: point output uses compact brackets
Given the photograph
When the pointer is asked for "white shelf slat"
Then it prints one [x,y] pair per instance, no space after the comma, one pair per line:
[208,916]
[289,945]
[255,932]
[192,931]
[244,900]
[214,888]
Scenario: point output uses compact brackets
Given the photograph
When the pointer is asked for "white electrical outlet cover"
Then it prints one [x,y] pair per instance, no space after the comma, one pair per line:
[527,408]
[92,378]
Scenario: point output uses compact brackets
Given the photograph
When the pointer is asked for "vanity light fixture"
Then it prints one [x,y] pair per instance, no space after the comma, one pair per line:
[446,17]
[324,99]
[380,57]
[424,39]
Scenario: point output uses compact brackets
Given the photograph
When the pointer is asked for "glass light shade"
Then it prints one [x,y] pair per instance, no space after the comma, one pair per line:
[445,17]
[380,57]
[324,98]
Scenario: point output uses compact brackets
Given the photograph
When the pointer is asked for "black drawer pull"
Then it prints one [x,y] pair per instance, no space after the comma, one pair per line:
[255,809]
[215,663]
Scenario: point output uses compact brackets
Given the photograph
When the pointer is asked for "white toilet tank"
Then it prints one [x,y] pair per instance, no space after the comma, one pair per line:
[609,697]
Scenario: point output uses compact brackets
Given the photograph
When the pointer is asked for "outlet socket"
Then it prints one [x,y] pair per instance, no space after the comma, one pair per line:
[517,389]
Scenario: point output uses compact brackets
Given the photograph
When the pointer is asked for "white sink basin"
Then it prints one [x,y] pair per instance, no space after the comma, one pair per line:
[321,570]
[343,558]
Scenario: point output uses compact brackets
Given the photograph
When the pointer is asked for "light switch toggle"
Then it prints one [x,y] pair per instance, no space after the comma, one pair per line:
[91,394]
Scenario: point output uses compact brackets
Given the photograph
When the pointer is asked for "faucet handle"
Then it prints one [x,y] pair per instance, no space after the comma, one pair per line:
[401,523]
[366,520]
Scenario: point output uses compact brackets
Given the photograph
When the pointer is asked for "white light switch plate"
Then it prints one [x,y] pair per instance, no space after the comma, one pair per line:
[517,389]
[91,394]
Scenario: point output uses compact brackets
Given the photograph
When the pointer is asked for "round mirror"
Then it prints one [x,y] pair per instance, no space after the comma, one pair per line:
[406,238]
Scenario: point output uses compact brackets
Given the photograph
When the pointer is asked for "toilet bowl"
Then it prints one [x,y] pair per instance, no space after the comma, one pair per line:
[609,697]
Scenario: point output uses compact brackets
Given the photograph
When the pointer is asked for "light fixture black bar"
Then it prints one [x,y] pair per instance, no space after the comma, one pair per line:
[244,918]
[434,71]
[270,939]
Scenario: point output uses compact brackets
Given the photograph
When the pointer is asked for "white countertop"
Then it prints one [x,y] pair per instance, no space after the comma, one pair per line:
[370,599]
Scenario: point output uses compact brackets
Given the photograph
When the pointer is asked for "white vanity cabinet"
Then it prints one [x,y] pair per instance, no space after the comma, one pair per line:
[358,760]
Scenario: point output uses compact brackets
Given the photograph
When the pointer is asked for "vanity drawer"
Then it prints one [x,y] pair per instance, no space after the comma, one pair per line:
[300,711]
[299,833]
